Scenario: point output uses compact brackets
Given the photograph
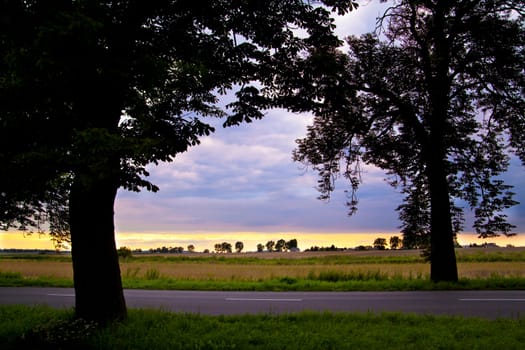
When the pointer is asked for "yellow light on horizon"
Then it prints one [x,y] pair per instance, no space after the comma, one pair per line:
[207,240]
[19,240]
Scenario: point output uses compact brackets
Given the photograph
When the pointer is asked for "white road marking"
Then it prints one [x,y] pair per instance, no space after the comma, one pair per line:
[486,299]
[262,299]
[61,295]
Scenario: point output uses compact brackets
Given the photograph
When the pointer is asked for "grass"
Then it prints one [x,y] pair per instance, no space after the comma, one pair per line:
[45,328]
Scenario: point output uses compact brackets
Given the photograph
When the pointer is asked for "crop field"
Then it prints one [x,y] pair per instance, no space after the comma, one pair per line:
[251,270]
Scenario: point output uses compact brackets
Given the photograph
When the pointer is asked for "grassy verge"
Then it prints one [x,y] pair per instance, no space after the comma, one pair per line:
[39,327]
[329,282]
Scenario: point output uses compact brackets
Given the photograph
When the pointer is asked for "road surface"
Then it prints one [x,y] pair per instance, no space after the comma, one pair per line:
[486,304]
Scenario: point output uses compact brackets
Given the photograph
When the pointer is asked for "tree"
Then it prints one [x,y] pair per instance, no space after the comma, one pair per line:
[99,90]
[124,252]
[239,246]
[380,243]
[280,245]
[436,99]
[291,244]
[226,247]
[395,242]
[191,248]
[260,247]
[270,245]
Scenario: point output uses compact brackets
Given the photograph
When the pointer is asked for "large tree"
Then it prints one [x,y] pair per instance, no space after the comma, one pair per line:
[435,98]
[91,92]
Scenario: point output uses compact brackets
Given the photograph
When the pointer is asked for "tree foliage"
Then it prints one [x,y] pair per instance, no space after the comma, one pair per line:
[395,242]
[380,243]
[92,92]
[85,82]
[223,247]
[280,245]
[239,246]
[436,99]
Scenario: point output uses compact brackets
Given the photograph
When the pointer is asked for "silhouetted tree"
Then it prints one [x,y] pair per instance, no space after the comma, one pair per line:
[280,245]
[270,245]
[291,244]
[101,89]
[437,101]
[260,247]
[395,242]
[226,247]
[191,248]
[124,252]
[239,246]
[380,243]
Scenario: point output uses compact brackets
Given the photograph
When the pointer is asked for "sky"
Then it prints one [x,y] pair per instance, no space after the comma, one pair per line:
[240,184]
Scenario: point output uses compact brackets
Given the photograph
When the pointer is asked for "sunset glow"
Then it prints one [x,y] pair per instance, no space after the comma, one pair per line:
[201,241]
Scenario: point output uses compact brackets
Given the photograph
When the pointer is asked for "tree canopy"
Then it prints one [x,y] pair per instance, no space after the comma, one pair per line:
[436,99]
[91,92]
[128,80]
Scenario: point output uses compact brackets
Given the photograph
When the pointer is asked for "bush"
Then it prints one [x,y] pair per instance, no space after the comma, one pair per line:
[124,252]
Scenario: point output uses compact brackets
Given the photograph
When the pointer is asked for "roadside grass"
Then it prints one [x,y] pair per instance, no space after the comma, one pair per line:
[328,281]
[45,328]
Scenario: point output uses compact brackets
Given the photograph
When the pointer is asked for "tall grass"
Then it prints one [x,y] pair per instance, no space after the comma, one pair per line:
[478,269]
[337,276]
[43,328]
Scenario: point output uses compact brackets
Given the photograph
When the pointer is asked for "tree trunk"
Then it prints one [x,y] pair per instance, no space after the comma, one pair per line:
[98,287]
[443,265]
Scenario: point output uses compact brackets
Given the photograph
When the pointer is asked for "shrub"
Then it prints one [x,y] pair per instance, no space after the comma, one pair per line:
[124,252]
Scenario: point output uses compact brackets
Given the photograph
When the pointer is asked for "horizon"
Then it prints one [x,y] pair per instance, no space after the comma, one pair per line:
[207,240]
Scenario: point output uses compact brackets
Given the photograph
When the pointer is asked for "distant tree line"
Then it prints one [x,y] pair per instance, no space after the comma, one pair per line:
[395,243]
[167,250]
[331,248]
[282,245]
[33,251]
[223,247]
[278,246]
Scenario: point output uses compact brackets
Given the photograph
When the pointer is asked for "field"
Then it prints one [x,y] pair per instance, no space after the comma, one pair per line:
[348,270]
[41,327]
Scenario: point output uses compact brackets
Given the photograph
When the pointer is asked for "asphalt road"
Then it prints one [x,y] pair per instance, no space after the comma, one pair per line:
[486,304]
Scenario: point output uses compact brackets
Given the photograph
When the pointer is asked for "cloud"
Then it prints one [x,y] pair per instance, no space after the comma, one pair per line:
[361,21]
[242,179]
[236,181]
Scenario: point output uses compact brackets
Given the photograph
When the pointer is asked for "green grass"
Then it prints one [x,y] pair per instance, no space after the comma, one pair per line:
[295,284]
[324,281]
[45,328]
[15,279]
